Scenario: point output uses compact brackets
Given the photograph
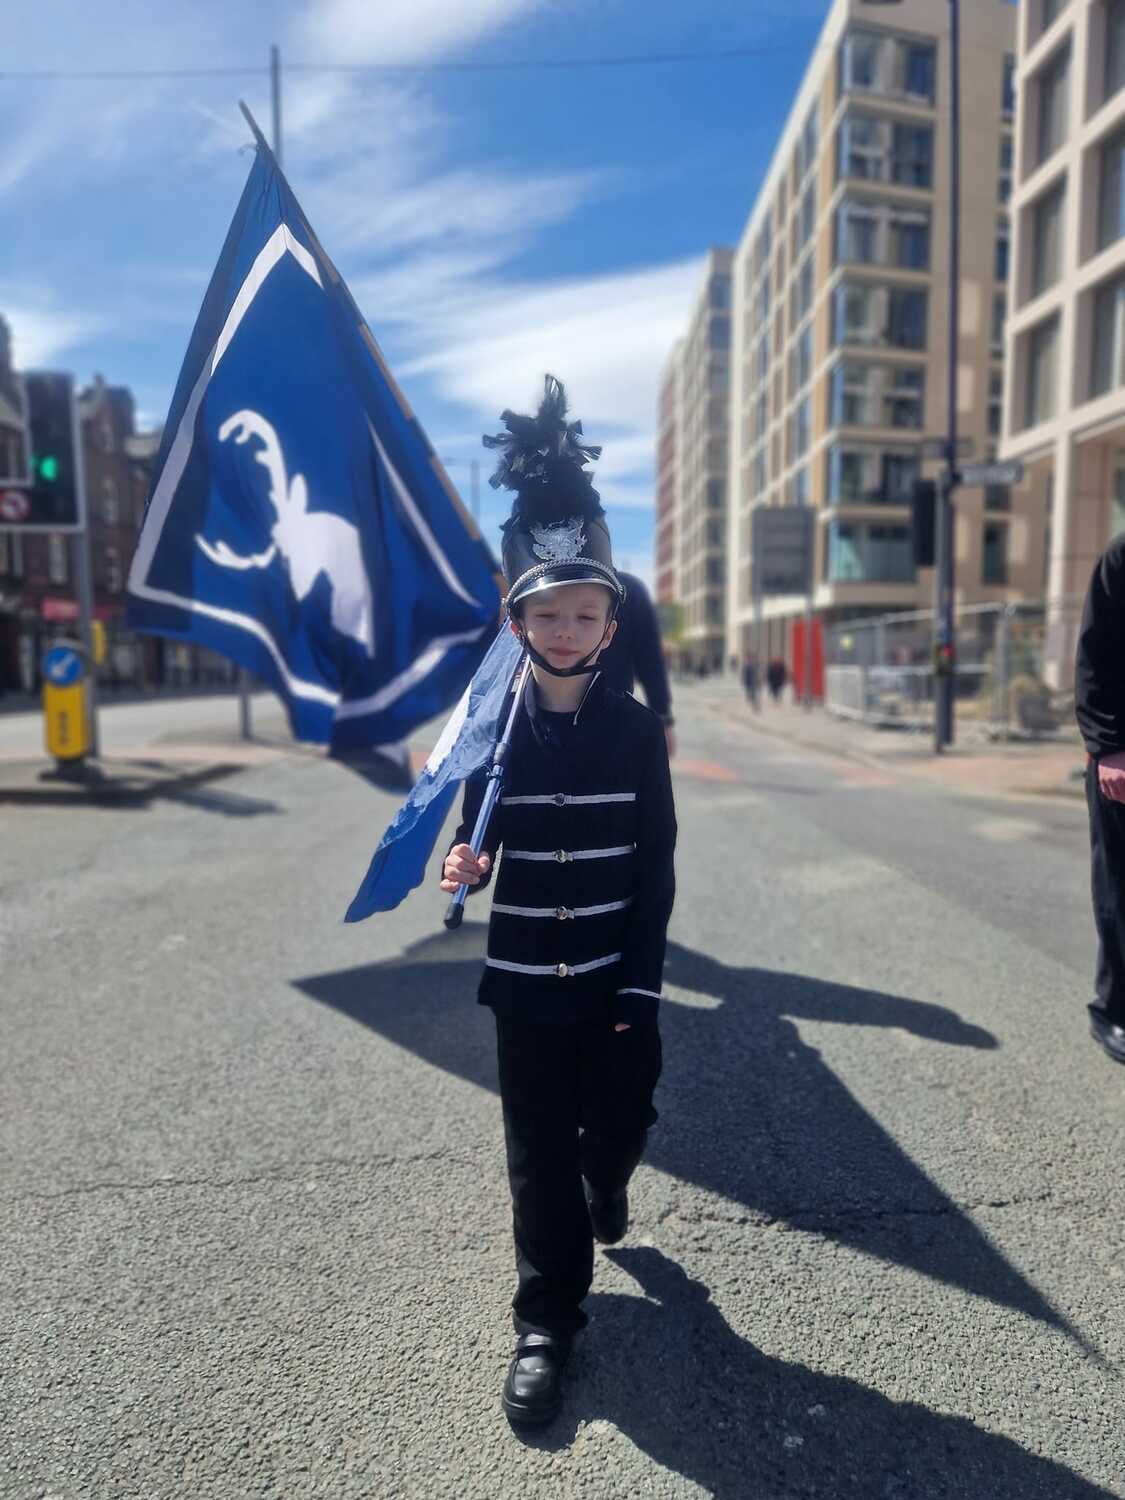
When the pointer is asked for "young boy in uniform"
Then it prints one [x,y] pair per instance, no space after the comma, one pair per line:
[583,895]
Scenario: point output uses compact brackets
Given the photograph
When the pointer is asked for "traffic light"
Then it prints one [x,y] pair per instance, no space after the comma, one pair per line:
[50,501]
[925,514]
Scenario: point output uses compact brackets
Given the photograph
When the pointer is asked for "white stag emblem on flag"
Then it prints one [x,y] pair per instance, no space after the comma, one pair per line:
[309,542]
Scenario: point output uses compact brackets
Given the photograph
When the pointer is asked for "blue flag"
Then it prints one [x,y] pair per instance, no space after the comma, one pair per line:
[465,745]
[299,522]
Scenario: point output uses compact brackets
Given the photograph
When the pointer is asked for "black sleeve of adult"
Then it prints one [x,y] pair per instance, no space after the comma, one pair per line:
[1099,673]
[646,931]
[470,807]
[648,658]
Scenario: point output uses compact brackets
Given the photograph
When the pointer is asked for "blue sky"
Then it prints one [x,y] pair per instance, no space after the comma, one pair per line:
[492,225]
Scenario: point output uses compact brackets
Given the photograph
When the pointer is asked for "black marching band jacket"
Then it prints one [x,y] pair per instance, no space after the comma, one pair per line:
[585,882]
[1099,677]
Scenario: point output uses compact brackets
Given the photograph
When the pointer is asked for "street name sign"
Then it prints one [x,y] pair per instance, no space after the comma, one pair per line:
[781,545]
[983,474]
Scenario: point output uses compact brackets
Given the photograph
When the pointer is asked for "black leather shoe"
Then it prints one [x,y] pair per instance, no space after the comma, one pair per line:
[1108,1034]
[609,1215]
[533,1389]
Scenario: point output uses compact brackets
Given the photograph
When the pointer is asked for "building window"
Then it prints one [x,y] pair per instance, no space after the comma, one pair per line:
[1002,252]
[804,358]
[997,497]
[1004,182]
[859,475]
[887,234]
[1114,47]
[995,403]
[1050,13]
[894,66]
[110,507]
[1046,239]
[1008,86]
[862,553]
[874,395]
[994,560]
[810,138]
[885,151]
[799,431]
[1042,354]
[57,570]
[875,315]
[999,321]
[1108,370]
[799,489]
[111,570]
[1054,97]
[1111,191]
[808,216]
[720,293]
[720,333]
[805,287]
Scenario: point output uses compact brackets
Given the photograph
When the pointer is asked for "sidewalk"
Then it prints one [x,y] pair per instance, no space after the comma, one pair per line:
[132,778]
[974,766]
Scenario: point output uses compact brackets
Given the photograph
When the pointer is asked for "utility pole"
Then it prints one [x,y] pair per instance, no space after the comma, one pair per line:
[945,627]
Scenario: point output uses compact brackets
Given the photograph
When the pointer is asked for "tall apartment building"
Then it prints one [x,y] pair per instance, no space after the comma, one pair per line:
[840,313]
[691,479]
[666,540]
[1065,413]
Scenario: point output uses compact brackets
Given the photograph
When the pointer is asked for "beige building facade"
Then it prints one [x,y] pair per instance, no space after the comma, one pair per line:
[1065,409]
[692,476]
[840,315]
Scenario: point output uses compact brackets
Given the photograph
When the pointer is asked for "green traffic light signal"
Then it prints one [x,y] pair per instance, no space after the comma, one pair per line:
[48,468]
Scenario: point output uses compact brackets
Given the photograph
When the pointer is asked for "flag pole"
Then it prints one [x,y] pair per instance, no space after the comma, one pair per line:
[456,908]
[245,724]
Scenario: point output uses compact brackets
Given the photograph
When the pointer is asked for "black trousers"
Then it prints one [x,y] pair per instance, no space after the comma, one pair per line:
[1107,874]
[577,1103]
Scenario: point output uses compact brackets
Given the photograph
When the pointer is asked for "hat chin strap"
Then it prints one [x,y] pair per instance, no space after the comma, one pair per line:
[575,671]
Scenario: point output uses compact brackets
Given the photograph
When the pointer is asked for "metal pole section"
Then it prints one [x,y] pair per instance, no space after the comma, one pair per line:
[808,698]
[275,96]
[84,573]
[245,723]
[945,654]
[474,478]
[456,908]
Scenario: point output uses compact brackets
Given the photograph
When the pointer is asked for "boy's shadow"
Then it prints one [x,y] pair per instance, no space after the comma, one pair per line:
[670,1372]
[749,1111]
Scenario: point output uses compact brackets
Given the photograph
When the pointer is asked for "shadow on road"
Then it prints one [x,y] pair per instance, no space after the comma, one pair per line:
[748,1110]
[669,1372]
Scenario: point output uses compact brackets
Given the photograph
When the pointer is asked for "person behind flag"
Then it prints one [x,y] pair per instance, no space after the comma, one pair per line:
[584,891]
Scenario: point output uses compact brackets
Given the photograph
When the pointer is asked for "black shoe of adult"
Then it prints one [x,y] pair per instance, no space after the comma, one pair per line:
[533,1389]
[1108,1034]
[609,1214]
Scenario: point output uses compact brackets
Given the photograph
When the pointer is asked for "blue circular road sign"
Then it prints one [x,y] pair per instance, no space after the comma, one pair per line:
[62,666]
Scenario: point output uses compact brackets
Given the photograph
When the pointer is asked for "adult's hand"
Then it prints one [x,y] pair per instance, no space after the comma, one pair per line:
[670,740]
[1111,776]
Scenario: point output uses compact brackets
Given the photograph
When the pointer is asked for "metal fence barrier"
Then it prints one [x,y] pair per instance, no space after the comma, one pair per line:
[879,669]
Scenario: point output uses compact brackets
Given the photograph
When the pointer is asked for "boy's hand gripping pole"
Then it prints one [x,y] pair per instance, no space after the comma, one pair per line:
[456,908]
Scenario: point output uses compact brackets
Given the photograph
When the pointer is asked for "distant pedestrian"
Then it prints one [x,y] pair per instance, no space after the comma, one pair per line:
[1099,693]
[750,681]
[776,678]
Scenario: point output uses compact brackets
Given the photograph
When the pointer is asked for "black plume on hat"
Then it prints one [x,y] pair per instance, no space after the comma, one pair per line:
[543,460]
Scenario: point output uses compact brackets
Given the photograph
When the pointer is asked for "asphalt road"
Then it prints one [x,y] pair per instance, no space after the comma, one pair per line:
[255,1221]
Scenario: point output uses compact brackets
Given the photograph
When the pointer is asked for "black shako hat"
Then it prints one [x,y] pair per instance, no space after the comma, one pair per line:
[557,531]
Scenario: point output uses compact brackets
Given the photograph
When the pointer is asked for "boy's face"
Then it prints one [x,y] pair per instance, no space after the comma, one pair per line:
[567,623]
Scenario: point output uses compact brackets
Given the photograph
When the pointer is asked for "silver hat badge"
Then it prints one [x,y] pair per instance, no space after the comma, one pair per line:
[561,542]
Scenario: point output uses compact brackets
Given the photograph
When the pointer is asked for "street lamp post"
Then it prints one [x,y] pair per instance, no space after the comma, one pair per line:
[945,649]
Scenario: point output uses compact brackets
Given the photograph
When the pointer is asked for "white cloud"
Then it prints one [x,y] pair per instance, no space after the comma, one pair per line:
[41,333]
[401,31]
